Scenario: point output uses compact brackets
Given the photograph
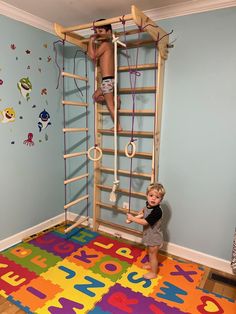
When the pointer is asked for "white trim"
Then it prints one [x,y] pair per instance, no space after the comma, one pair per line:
[188,7]
[171,248]
[25,17]
[180,9]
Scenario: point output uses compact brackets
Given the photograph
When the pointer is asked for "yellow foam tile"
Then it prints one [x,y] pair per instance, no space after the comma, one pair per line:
[134,280]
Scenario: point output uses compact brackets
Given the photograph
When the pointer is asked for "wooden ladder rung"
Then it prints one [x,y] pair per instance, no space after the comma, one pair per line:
[147,89]
[126,172]
[114,207]
[137,43]
[76,178]
[130,112]
[75,76]
[122,191]
[122,152]
[74,103]
[126,133]
[119,227]
[148,66]
[74,129]
[76,201]
[74,155]
[76,224]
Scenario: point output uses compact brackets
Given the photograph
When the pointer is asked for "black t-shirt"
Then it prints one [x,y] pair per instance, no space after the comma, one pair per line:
[154,215]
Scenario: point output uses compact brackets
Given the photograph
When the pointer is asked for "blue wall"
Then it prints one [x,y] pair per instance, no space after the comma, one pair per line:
[31,175]
[198,147]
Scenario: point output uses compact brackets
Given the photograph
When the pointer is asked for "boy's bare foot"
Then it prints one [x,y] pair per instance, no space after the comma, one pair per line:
[146,266]
[150,275]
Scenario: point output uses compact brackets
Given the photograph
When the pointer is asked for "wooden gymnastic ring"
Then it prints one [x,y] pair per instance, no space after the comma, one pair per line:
[95,148]
[133,150]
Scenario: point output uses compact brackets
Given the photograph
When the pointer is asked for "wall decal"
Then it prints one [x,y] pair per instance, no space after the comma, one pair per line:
[29,141]
[25,87]
[44,120]
[7,115]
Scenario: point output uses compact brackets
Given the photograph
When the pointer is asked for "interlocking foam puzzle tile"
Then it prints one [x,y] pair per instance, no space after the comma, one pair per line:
[79,235]
[110,267]
[54,244]
[170,293]
[98,310]
[33,258]
[203,302]
[134,280]
[36,293]
[143,259]
[102,276]
[19,305]
[13,276]
[122,300]
[117,249]
[86,289]
[70,276]
[85,257]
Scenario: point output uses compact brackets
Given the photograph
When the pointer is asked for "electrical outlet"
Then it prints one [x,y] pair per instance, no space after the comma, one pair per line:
[126,205]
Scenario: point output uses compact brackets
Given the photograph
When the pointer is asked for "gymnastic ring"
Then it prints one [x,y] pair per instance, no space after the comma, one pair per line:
[95,148]
[133,150]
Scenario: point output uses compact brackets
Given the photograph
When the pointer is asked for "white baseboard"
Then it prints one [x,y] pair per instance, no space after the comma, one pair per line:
[16,238]
[171,248]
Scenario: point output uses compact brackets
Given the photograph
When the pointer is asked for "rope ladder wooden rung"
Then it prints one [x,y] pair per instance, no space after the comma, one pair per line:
[75,76]
[76,201]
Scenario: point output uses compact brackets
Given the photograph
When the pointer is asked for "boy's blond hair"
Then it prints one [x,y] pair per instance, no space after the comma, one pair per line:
[157,187]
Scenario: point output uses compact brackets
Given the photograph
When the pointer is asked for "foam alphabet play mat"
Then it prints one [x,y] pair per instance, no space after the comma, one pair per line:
[88,272]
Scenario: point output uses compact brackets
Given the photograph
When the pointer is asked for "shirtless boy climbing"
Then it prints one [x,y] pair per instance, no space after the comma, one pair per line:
[104,54]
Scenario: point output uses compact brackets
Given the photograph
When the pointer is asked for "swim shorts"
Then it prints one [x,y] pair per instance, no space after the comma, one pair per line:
[107,85]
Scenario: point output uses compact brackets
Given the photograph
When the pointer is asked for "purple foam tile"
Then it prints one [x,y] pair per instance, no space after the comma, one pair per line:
[120,300]
[56,245]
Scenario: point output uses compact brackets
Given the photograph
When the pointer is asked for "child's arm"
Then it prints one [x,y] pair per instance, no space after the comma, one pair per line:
[91,48]
[95,53]
[139,220]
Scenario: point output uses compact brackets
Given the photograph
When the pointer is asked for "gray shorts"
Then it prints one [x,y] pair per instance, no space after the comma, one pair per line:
[107,85]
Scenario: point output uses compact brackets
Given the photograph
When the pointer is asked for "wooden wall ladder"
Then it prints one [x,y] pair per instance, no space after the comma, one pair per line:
[67,131]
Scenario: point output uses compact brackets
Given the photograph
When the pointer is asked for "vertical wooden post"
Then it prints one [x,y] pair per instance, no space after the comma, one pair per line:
[97,164]
[159,100]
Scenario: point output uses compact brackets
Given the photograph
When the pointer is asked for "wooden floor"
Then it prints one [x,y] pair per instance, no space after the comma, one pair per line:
[208,282]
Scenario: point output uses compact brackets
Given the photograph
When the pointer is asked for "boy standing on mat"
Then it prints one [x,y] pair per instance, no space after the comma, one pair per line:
[104,54]
[150,218]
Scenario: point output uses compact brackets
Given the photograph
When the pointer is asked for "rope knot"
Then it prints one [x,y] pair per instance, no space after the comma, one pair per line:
[135,72]
[122,20]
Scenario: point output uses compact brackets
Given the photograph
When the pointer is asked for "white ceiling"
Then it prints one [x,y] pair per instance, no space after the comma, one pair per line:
[76,12]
